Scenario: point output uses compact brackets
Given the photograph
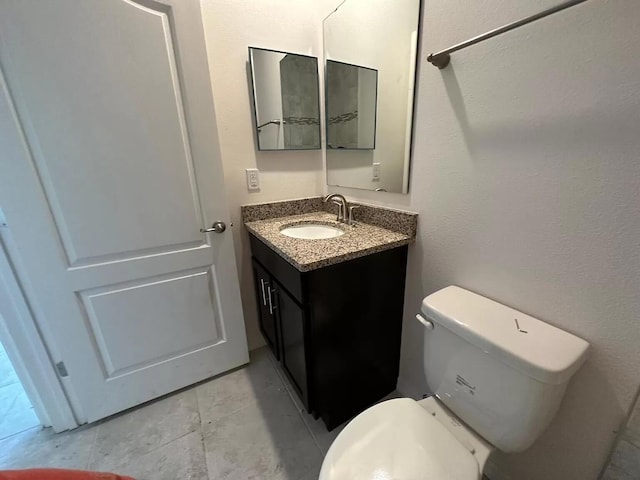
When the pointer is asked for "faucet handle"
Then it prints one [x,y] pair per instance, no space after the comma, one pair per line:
[341,214]
[352,218]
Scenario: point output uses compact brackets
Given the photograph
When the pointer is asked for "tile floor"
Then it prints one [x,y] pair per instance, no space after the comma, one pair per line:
[624,463]
[242,425]
[16,412]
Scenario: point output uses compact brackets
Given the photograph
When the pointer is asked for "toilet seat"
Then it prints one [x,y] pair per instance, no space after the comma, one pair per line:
[398,440]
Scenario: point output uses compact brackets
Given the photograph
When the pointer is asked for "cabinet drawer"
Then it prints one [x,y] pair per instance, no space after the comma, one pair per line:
[288,276]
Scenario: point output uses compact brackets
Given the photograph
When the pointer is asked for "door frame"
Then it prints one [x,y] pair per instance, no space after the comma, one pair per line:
[25,346]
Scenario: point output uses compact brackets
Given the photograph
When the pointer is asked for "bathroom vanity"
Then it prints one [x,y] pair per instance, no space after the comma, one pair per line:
[331,309]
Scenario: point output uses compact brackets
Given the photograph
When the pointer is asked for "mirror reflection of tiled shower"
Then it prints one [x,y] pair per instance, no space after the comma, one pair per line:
[299,89]
[286,100]
[351,106]
[16,412]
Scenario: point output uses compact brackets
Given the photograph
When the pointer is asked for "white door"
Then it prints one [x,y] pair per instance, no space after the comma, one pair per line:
[109,168]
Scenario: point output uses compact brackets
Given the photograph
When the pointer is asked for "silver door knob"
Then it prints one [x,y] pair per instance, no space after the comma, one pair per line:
[217,227]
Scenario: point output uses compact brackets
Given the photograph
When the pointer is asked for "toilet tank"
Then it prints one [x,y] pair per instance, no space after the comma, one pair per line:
[502,372]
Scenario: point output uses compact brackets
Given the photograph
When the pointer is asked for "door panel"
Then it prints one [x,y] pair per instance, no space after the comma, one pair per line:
[124,112]
[122,317]
[109,167]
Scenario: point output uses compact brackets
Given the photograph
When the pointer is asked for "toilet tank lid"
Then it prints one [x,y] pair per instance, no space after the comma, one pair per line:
[533,347]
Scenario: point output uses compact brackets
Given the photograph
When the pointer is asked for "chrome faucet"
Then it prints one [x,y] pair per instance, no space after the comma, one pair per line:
[345,211]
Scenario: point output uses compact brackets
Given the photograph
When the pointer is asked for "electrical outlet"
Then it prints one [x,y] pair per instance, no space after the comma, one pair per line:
[376,171]
[253,179]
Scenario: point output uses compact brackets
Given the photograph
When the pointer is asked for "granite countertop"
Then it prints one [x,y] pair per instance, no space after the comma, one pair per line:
[358,240]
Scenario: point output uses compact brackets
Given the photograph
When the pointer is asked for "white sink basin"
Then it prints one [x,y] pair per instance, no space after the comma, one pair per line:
[312,231]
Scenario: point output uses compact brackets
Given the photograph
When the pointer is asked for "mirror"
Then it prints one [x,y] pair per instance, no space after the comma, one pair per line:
[381,35]
[351,106]
[286,101]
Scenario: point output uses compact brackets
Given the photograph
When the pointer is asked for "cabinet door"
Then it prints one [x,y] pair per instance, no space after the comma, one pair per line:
[266,314]
[292,334]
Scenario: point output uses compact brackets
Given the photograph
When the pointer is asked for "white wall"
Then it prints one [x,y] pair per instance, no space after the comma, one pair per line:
[526,175]
[231,26]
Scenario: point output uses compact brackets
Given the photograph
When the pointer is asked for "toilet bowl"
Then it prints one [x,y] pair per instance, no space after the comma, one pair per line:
[408,440]
[498,377]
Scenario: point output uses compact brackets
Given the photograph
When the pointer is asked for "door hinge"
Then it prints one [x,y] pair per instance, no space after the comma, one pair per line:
[62,369]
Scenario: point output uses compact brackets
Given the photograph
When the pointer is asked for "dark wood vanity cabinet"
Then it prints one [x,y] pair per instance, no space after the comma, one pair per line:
[335,330]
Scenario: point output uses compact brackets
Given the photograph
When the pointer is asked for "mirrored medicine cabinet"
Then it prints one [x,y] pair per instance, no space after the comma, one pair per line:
[286,100]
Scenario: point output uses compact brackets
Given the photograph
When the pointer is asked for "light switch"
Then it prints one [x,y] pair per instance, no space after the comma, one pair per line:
[376,171]
[253,179]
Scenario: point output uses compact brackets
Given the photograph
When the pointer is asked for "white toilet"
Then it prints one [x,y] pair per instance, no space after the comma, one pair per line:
[498,377]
